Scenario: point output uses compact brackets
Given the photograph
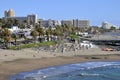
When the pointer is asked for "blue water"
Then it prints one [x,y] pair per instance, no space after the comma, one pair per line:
[78,71]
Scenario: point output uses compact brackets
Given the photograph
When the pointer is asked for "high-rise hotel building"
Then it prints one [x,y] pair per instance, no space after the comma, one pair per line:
[81,23]
[32,19]
[77,23]
[67,22]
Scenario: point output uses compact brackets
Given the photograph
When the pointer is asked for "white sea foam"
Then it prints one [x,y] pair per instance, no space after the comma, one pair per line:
[52,71]
[88,74]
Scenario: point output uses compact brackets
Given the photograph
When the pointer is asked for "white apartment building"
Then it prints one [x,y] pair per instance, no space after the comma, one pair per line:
[48,23]
[106,25]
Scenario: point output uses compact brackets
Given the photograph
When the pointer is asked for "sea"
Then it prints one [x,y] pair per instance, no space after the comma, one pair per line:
[100,70]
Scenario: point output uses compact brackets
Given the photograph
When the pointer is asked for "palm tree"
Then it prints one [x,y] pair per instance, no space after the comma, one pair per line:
[25,23]
[15,37]
[6,36]
[59,32]
[40,30]
[1,23]
[51,33]
[6,23]
[34,34]
[47,33]
[31,23]
[10,22]
[16,22]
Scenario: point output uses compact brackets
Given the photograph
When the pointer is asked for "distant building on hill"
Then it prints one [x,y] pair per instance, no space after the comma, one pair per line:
[107,25]
[9,13]
[30,19]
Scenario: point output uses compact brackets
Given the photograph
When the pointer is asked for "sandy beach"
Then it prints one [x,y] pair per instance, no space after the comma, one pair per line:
[13,62]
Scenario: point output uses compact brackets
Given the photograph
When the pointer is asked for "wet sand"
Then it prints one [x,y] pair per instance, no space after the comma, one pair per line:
[8,68]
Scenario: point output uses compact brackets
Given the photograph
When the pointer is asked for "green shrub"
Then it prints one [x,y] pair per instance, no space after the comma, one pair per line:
[23,46]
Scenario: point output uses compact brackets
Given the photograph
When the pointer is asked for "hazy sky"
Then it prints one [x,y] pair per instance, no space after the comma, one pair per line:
[96,11]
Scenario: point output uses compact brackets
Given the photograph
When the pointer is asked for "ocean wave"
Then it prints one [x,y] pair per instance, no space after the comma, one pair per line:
[88,74]
[57,70]
[90,65]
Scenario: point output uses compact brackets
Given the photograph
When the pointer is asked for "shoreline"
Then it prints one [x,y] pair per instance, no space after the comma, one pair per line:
[9,68]
[14,62]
